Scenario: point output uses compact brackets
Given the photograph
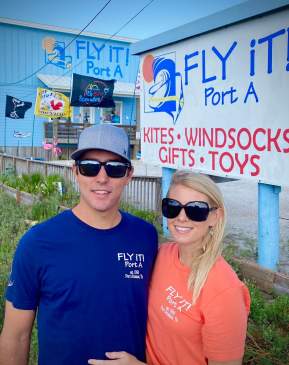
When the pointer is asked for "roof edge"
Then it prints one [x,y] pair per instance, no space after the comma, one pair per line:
[235,14]
[55,28]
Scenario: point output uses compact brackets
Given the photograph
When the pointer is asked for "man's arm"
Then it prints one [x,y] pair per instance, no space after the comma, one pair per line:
[15,336]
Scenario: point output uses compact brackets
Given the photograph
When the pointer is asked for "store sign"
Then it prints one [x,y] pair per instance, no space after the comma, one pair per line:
[219,103]
[97,58]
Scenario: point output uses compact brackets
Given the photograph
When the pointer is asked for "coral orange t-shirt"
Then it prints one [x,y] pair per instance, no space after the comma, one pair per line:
[179,333]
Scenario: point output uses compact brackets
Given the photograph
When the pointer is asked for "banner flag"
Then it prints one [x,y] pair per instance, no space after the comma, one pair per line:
[51,104]
[16,108]
[19,134]
[90,91]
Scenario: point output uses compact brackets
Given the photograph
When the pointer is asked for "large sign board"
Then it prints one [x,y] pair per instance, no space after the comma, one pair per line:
[219,103]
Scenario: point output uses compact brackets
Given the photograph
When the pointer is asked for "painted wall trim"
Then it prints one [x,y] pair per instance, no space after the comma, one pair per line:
[236,14]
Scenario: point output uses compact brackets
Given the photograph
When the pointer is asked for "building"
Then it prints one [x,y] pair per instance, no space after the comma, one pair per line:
[35,55]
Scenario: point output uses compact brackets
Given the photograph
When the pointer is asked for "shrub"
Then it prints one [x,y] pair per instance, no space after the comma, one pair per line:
[268,336]
[43,186]
[44,209]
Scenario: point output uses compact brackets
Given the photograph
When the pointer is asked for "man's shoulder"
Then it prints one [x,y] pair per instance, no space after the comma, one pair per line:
[59,218]
[146,232]
[135,221]
[47,227]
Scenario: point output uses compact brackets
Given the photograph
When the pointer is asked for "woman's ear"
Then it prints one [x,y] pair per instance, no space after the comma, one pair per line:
[215,216]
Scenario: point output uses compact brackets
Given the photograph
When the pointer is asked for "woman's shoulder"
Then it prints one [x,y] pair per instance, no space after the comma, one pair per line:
[223,272]
[222,277]
[223,287]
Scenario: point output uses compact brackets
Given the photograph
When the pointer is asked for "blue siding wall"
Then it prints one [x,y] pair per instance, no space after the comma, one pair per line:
[24,125]
[25,50]
[129,112]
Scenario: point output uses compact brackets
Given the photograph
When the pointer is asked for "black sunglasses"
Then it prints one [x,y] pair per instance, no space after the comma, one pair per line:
[91,168]
[197,211]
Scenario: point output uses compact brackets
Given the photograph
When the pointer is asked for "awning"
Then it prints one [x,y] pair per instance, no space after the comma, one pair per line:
[62,83]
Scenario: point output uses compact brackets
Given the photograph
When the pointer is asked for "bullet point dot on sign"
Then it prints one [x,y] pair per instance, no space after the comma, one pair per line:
[202,160]
[178,136]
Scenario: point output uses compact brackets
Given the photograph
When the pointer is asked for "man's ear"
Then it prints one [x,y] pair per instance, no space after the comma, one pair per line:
[131,171]
[129,174]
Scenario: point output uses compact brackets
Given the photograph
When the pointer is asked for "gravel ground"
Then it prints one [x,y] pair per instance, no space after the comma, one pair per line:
[241,199]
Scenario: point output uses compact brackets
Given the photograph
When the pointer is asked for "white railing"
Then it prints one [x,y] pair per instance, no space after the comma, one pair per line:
[143,192]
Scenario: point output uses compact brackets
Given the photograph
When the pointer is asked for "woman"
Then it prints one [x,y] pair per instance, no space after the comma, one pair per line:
[198,307]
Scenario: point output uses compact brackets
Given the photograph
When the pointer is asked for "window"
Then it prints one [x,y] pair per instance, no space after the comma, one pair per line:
[112,115]
[87,115]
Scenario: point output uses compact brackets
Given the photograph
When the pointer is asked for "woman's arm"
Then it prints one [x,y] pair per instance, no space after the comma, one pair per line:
[118,358]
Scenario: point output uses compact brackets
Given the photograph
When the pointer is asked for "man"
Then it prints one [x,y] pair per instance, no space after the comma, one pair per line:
[85,272]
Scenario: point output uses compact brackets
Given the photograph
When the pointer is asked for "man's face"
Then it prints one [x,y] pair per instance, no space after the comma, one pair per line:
[101,193]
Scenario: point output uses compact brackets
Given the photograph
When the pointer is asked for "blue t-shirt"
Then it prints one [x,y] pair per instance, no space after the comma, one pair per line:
[90,286]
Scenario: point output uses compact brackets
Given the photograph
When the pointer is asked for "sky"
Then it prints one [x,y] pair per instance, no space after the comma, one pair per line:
[157,17]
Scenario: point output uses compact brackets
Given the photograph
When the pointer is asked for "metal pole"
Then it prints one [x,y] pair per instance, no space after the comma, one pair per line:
[32,139]
[167,174]
[268,225]
[5,125]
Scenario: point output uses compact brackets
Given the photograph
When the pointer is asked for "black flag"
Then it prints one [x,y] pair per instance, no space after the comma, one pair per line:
[90,91]
[16,108]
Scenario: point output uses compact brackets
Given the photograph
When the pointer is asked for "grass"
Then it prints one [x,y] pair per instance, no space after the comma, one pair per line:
[13,218]
[268,329]
[267,340]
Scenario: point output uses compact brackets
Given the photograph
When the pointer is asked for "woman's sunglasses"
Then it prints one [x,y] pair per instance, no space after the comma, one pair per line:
[196,211]
[114,169]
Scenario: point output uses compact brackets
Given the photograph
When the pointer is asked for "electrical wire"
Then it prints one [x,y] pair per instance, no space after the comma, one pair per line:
[131,19]
[46,64]
[113,35]
[83,59]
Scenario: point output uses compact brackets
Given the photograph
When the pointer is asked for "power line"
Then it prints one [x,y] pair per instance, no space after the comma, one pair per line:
[83,59]
[131,19]
[74,38]
[113,35]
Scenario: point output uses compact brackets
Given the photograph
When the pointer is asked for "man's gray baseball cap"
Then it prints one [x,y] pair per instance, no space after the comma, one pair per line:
[104,137]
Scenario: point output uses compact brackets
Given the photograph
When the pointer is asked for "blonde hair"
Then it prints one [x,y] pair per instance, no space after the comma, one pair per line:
[212,242]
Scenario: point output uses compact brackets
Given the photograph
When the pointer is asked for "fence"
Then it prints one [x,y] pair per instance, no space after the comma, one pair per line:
[143,192]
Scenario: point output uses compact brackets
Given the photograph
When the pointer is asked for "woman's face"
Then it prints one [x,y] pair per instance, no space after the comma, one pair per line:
[183,230]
